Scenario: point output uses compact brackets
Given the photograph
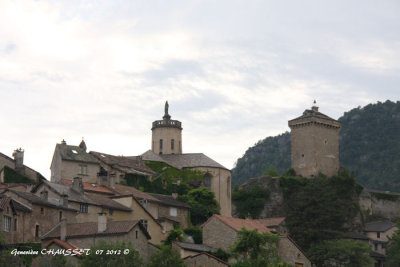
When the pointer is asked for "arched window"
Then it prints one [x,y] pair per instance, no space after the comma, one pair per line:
[172,144]
[161,144]
[207,180]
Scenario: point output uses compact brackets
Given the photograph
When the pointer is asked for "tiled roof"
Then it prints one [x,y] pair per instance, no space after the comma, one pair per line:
[356,235]
[125,164]
[308,113]
[270,222]
[91,187]
[168,200]
[38,201]
[208,255]
[75,153]
[237,224]
[129,190]
[107,202]
[195,247]
[379,226]
[190,160]
[90,229]
[63,244]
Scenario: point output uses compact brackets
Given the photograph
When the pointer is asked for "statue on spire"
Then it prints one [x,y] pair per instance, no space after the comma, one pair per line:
[166,108]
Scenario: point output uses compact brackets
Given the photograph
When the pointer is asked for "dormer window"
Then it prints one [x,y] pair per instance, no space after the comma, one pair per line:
[74,151]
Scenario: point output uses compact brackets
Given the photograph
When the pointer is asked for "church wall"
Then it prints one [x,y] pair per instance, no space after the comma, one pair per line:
[221,186]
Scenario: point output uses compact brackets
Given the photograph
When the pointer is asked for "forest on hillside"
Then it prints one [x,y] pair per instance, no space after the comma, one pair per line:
[369,147]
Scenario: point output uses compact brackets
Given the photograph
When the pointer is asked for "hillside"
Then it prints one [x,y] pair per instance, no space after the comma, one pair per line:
[369,146]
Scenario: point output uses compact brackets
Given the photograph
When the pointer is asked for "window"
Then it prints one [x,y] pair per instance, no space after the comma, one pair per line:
[110,211]
[172,144]
[173,212]
[41,210]
[376,246]
[378,234]
[83,208]
[60,216]
[161,144]
[15,224]
[37,231]
[83,169]
[136,232]
[6,223]
[144,223]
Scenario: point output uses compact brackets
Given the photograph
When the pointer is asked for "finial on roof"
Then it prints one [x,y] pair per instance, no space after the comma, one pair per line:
[83,145]
[315,107]
[63,142]
[166,107]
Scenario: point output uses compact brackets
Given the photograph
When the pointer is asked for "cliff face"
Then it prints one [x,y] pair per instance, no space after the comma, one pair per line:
[274,207]
[374,205]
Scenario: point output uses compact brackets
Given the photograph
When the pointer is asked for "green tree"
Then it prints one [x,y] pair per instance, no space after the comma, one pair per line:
[196,233]
[250,202]
[221,254]
[321,208]
[341,253]
[132,259]
[255,249]
[271,171]
[393,251]
[175,234]
[203,204]
[166,257]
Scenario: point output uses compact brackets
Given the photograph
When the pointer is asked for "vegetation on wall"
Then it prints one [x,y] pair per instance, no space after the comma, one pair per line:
[11,176]
[250,203]
[393,251]
[369,143]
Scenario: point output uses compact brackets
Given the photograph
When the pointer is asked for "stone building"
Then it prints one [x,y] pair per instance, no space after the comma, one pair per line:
[204,259]
[167,148]
[71,161]
[222,232]
[315,144]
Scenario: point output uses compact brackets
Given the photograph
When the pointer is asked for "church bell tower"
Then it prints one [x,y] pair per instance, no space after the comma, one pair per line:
[166,135]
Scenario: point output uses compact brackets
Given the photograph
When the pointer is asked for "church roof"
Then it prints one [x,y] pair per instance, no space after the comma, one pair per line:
[188,160]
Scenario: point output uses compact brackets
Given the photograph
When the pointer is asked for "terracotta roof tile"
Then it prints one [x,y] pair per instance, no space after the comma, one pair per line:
[269,222]
[129,190]
[61,243]
[93,187]
[90,229]
[237,223]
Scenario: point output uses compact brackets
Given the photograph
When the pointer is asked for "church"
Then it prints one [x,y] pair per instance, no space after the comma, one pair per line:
[166,146]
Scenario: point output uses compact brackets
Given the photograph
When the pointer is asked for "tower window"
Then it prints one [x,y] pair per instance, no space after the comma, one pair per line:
[37,231]
[172,144]
[161,144]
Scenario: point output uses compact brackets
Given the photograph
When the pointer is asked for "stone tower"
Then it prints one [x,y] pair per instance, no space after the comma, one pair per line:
[166,135]
[315,144]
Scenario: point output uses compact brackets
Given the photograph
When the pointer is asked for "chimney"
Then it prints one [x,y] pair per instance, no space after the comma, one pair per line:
[44,194]
[175,195]
[64,200]
[77,185]
[63,147]
[63,229]
[102,222]
[112,180]
[102,176]
[19,159]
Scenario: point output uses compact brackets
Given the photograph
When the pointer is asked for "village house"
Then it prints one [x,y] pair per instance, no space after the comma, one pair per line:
[43,216]
[190,249]
[87,234]
[15,169]
[204,259]
[221,232]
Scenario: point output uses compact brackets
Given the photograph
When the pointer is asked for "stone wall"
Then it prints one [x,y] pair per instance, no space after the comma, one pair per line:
[216,234]
[182,214]
[291,254]
[166,134]
[383,207]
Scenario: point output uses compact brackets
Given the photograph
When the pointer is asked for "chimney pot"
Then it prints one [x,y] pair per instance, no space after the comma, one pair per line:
[102,222]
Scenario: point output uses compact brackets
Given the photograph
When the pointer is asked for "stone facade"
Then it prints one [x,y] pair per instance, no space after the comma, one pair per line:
[290,253]
[216,234]
[315,144]
[204,259]
[373,205]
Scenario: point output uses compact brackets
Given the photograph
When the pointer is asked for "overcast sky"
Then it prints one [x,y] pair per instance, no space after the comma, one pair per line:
[233,72]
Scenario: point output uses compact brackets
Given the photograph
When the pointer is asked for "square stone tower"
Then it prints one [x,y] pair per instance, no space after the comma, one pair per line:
[315,144]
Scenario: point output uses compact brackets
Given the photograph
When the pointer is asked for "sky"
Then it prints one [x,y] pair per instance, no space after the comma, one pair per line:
[233,72]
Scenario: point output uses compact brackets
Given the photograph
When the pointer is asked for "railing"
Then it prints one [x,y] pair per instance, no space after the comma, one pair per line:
[167,123]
